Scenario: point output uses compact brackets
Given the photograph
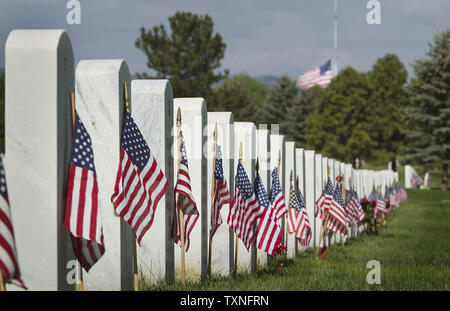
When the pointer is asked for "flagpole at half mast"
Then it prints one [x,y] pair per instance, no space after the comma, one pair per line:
[335,60]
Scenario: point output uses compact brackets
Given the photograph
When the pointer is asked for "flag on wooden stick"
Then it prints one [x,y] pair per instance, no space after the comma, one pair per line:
[324,201]
[140,183]
[298,221]
[245,209]
[184,200]
[83,213]
[9,264]
[221,193]
[269,233]
[276,196]
[336,214]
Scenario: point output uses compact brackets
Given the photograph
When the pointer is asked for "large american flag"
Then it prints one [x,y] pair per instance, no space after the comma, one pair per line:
[276,196]
[9,264]
[336,214]
[184,200]
[245,209]
[269,233]
[140,183]
[83,213]
[324,201]
[298,221]
[318,76]
[221,193]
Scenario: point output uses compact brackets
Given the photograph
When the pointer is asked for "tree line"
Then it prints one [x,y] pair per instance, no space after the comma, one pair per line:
[374,115]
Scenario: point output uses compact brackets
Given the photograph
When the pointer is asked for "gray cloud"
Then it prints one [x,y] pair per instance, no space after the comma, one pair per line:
[262,37]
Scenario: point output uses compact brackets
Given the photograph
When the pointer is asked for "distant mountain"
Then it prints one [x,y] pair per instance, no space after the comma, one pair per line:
[267,79]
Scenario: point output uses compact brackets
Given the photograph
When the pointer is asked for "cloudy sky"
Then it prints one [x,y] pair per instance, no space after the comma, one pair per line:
[262,36]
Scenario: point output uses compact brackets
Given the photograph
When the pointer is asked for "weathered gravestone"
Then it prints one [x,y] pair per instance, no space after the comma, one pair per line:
[153,113]
[39,80]
[99,95]
[193,124]
[222,244]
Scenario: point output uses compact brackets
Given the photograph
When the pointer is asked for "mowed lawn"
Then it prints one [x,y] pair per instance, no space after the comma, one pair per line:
[414,253]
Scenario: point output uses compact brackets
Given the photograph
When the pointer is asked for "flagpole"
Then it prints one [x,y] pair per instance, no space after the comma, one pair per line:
[322,225]
[213,185]
[126,100]
[72,115]
[237,239]
[2,283]
[181,214]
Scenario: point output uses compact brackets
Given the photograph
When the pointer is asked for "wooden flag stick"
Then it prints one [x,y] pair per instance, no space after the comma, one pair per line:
[213,186]
[72,115]
[126,101]
[322,225]
[237,239]
[288,207]
[181,213]
[2,283]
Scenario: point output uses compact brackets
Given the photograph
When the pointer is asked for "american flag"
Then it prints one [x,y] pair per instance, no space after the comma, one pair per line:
[355,201]
[337,221]
[83,214]
[324,201]
[269,233]
[276,196]
[352,209]
[298,221]
[184,200]
[380,206]
[245,209]
[9,264]
[318,76]
[140,183]
[221,193]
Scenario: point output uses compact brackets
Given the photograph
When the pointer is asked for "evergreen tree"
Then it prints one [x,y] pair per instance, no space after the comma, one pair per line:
[189,57]
[429,113]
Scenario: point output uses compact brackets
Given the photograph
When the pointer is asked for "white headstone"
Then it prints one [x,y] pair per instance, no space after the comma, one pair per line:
[39,80]
[289,167]
[318,166]
[278,152]
[222,244]
[153,113]
[263,155]
[245,133]
[99,101]
[409,172]
[324,182]
[310,194]
[331,165]
[193,124]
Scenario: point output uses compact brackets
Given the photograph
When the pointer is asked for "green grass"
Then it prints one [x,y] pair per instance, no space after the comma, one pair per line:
[414,252]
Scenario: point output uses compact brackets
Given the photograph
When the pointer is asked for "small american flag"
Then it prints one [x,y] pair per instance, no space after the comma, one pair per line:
[245,209]
[337,219]
[324,201]
[356,202]
[276,196]
[318,76]
[380,206]
[184,200]
[352,209]
[298,221]
[269,233]
[140,183]
[9,265]
[221,193]
[83,214]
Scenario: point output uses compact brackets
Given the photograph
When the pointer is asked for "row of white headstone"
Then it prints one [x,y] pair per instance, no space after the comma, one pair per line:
[40,76]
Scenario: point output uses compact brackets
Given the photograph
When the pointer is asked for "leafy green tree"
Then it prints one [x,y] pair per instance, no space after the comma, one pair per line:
[233,96]
[388,77]
[280,99]
[2,112]
[189,56]
[342,125]
[297,114]
[429,114]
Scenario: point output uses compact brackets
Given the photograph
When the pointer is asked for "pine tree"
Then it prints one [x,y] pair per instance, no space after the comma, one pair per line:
[429,114]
